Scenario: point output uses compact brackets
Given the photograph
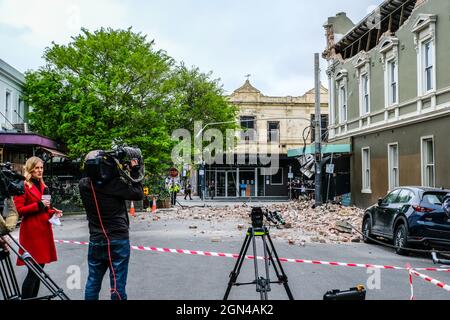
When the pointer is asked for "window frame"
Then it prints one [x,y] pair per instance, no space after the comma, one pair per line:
[8,104]
[392,77]
[366,171]
[343,103]
[391,167]
[425,167]
[364,93]
[427,63]
[248,134]
[269,132]
[282,178]
[424,30]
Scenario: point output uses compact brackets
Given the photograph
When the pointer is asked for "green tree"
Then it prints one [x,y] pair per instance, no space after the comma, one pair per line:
[113,85]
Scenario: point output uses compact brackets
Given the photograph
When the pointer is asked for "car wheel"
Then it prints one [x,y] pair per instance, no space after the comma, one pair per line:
[366,230]
[400,240]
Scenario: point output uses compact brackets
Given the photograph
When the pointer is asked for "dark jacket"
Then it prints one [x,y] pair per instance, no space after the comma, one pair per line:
[111,202]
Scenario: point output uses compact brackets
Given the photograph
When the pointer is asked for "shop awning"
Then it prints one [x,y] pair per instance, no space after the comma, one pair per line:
[27,139]
[327,149]
[54,153]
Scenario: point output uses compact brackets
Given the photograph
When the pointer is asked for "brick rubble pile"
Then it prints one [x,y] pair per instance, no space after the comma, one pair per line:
[304,224]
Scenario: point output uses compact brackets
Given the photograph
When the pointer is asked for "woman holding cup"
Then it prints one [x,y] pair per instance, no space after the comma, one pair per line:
[36,234]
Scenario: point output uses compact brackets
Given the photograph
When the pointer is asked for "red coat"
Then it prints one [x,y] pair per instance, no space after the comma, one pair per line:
[36,233]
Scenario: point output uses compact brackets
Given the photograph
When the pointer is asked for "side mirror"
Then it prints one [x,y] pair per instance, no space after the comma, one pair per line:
[380,202]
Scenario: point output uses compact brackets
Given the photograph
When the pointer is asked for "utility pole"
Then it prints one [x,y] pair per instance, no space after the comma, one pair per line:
[318,131]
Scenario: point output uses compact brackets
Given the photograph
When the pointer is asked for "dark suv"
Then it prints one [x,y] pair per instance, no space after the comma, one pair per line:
[409,216]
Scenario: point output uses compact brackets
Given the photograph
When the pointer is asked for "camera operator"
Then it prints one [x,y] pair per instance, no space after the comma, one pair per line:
[109,247]
[36,233]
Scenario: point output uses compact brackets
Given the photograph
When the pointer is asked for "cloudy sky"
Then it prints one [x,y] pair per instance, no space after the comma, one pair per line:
[274,41]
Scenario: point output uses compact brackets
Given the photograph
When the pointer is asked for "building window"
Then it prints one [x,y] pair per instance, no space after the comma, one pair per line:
[277,179]
[248,124]
[343,103]
[428,165]
[365,94]
[393,82]
[428,66]
[273,131]
[20,109]
[394,181]
[424,30]
[7,105]
[366,175]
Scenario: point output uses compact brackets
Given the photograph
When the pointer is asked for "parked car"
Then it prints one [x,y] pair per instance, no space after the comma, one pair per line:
[409,216]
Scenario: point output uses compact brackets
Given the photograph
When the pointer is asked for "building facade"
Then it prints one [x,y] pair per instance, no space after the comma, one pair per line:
[17,143]
[389,79]
[271,127]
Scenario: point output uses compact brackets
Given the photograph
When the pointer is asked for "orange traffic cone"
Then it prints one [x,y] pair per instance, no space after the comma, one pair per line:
[154,205]
[132,209]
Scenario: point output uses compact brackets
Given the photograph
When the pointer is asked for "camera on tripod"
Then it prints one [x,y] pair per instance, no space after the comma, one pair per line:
[103,166]
[257,215]
[10,182]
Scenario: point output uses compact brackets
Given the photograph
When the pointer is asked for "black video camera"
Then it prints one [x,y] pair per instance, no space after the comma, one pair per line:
[275,217]
[125,154]
[258,215]
[103,166]
[11,183]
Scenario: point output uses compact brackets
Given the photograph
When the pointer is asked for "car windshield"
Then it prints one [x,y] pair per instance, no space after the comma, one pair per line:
[434,198]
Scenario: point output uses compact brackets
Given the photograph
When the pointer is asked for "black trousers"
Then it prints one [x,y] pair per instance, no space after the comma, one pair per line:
[31,284]
[174,198]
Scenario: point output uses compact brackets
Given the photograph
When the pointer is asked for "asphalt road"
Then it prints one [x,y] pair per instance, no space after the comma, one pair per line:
[168,276]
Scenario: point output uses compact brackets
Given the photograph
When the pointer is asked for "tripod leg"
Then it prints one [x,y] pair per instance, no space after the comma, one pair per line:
[257,280]
[266,287]
[8,281]
[282,277]
[237,268]
[39,272]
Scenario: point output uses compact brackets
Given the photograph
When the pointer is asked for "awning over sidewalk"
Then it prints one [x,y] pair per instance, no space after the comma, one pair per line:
[54,153]
[327,149]
[27,139]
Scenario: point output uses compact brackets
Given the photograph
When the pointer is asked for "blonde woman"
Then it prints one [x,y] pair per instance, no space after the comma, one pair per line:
[36,234]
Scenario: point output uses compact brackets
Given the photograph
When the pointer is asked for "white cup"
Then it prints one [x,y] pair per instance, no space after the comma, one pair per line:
[46,197]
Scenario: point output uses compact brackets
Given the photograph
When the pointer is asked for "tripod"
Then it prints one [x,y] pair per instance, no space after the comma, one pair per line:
[8,281]
[262,284]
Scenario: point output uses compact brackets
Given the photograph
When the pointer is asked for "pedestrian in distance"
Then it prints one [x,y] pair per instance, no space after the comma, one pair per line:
[188,192]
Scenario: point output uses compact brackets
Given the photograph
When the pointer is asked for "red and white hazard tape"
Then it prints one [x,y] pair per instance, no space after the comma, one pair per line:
[408,267]
[235,256]
[431,280]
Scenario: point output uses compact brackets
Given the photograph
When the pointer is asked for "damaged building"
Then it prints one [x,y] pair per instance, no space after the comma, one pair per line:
[389,81]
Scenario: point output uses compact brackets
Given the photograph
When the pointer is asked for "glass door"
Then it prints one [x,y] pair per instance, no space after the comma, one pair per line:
[231,184]
[221,184]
